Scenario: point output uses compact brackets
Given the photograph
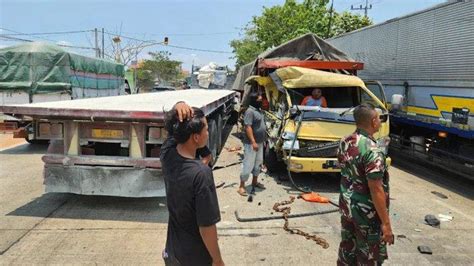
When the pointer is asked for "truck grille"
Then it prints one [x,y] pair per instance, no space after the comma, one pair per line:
[311,148]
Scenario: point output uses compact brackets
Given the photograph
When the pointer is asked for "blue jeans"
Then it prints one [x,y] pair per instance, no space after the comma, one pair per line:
[252,161]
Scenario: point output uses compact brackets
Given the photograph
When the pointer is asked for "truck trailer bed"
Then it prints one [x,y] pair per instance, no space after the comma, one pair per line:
[111,145]
[138,107]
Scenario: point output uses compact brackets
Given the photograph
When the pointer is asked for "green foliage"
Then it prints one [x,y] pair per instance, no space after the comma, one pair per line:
[160,67]
[279,24]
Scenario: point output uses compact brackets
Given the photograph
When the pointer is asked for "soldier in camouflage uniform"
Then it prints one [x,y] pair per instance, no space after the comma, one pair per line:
[364,197]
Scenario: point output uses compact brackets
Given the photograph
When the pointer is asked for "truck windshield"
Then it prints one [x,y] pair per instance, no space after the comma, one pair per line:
[333,114]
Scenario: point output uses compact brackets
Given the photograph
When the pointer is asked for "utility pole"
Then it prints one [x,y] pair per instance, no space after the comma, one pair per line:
[366,8]
[330,19]
[97,51]
[103,43]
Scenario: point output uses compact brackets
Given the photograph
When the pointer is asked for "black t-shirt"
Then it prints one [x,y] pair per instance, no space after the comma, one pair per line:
[192,202]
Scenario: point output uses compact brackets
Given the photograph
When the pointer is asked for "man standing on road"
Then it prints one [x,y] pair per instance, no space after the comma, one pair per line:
[190,191]
[255,135]
[364,197]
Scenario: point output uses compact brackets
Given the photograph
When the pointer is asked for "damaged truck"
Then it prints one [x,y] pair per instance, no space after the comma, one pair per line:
[306,138]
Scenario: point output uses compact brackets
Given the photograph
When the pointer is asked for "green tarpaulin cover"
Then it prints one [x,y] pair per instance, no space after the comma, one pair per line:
[43,68]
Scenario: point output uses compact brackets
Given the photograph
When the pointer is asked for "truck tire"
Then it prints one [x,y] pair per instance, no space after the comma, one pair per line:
[220,131]
[212,141]
[270,159]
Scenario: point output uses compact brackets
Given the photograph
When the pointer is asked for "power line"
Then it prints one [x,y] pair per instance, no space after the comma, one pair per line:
[7,36]
[153,42]
[48,33]
[184,34]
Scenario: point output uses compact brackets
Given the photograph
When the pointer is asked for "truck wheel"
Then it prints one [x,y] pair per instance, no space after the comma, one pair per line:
[212,141]
[270,158]
[220,130]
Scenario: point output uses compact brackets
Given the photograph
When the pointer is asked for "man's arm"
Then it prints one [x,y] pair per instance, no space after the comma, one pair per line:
[379,200]
[209,237]
[304,101]
[249,132]
[324,103]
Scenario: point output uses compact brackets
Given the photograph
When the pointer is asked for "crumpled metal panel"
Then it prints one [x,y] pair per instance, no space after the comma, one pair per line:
[107,181]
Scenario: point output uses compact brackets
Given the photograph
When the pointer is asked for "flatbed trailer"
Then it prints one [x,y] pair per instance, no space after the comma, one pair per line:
[111,145]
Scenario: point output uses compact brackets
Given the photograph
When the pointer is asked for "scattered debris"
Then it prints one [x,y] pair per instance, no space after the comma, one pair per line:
[445,218]
[220,184]
[263,259]
[432,220]
[233,149]
[425,250]
[279,182]
[417,230]
[259,203]
[439,194]
[401,236]
[250,198]
[286,212]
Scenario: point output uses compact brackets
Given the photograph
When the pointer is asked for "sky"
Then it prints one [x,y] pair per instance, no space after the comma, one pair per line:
[205,25]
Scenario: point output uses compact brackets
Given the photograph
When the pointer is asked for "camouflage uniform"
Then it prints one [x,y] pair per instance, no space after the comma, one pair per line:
[360,159]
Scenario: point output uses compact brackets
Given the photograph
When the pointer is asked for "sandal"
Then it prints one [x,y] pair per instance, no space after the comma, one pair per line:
[259,185]
[242,193]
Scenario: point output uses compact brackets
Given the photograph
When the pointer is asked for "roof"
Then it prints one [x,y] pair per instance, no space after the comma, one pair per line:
[298,77]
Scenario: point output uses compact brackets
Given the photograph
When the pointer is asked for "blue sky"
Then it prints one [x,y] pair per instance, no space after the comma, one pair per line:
[210,24]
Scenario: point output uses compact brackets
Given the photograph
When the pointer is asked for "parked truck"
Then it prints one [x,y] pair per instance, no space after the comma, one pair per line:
[111,145]
[425,61]
[40,72]
[306,138]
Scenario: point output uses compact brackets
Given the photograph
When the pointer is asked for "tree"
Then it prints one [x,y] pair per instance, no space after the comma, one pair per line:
[160,67]
[279,24]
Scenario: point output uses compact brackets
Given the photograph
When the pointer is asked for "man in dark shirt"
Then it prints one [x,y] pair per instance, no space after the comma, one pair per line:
[254,137]
[190,190]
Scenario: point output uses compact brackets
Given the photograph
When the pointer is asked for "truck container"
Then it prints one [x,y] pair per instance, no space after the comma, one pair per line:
[40,72]
[425,61]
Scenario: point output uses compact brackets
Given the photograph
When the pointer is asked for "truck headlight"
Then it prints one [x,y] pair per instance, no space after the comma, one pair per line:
[287,145]
[288,135]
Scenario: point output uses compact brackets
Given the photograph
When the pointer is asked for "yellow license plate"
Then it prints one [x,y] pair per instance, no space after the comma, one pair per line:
[107,133]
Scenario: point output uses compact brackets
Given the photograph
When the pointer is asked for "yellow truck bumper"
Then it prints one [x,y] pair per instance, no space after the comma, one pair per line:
[328,165]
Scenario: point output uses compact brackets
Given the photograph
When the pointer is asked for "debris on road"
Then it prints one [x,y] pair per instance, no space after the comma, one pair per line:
[445,218]
[432,220]
[439,194]
[220,184]
[233,149]
[425,250]
[286,211]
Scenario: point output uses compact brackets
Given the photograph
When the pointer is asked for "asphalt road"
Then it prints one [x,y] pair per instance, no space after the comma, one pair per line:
[39,228]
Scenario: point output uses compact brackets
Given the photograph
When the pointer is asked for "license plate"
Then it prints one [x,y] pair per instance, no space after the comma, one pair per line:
[107,133]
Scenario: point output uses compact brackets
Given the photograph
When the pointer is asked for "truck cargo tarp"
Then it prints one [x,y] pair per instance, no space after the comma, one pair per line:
[44,68]
[306,47]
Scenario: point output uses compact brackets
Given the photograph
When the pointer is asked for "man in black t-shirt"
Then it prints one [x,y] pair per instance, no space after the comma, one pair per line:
[191,195]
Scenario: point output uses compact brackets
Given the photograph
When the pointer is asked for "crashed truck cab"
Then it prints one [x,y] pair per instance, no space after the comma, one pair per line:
[312,134]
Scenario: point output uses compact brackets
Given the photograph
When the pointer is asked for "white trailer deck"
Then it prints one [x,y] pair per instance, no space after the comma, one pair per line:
[111,145]
[148,106]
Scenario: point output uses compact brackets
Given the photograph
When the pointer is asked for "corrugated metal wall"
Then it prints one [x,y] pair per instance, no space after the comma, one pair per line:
[433,45]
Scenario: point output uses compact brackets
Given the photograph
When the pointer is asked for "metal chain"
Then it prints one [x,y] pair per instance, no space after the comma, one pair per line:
[286,211]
